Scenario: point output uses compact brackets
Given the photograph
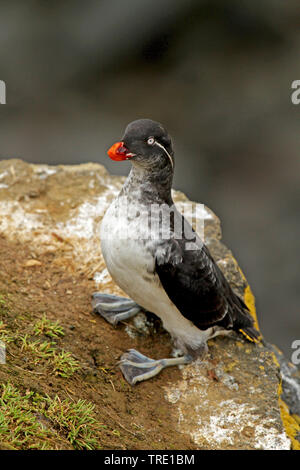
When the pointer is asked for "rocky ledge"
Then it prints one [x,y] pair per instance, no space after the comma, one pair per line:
[242,396]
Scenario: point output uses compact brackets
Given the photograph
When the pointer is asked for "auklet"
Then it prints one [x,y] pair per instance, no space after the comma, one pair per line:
[146,244]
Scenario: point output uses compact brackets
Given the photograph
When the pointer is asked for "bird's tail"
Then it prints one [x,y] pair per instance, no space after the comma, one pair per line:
[244,322]
[251,334]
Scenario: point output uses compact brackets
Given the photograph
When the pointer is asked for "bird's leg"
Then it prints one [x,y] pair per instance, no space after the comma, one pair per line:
[137,367]
[113,308]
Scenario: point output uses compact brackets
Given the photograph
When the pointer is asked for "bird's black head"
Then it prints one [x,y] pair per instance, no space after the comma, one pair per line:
[147,144]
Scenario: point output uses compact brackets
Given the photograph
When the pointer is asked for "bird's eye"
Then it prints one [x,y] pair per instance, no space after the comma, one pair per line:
[150,141]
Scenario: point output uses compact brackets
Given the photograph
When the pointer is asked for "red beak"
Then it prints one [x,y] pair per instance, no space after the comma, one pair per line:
[119,152]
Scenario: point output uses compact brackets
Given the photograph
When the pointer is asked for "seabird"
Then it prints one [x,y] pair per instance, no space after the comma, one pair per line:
[146,244]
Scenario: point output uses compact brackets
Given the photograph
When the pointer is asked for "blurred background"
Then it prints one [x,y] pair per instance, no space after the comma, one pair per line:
[216,74]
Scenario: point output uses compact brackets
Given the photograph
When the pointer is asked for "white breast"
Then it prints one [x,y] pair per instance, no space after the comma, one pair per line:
[127,253]
[124,247]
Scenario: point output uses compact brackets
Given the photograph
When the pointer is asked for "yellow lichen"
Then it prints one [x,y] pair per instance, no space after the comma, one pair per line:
[250,302]
[249,298]
[291,426]
[275,360]
[290,422]
[296,418]
[229,367]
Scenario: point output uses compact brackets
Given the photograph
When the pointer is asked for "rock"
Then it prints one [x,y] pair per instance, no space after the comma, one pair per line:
[231,400]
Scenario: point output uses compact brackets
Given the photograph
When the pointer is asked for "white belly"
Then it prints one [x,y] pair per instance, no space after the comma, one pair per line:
[128,261]
[131,264]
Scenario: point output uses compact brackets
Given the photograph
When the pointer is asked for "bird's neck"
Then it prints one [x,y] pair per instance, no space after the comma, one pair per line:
[150,185]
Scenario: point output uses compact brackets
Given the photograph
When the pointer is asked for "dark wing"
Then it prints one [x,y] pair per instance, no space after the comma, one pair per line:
[198,288]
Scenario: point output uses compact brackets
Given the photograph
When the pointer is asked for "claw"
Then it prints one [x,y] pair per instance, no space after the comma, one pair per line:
[113,308]
[136,367]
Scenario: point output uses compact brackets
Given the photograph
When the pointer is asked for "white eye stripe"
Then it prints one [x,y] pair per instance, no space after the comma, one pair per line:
[162,147]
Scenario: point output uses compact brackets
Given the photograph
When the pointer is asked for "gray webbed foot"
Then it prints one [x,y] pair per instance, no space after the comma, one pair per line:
[136,367]
[113,308]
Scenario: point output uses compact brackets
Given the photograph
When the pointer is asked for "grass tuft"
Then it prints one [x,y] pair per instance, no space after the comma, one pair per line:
[5,336]
[30,421]
[46,327]
[19,427]
[76,421]
[62,362]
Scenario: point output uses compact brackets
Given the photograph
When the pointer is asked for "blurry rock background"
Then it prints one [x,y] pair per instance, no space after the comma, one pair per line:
[217,74]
